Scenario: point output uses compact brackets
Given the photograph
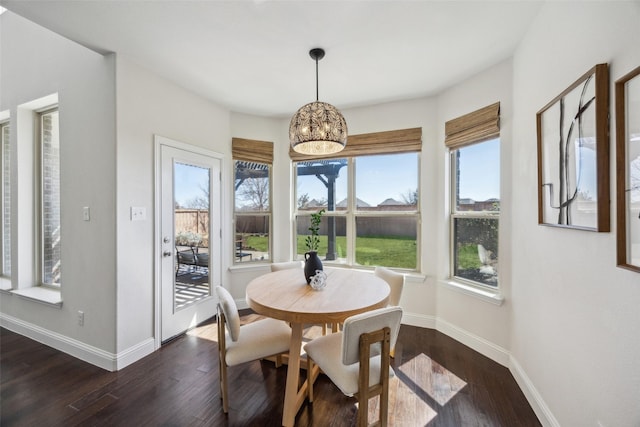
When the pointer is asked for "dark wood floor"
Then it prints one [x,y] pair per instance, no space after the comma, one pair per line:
[439,382]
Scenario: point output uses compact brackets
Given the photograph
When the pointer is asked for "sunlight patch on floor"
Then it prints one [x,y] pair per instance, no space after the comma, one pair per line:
[432,378]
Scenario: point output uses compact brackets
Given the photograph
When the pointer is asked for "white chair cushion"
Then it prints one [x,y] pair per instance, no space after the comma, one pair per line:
[369,321]
[395,281]
[277,266]
[230,310]
[326,351]
[257,340]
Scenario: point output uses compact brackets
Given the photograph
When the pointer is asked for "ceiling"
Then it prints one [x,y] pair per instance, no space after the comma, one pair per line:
[251,56]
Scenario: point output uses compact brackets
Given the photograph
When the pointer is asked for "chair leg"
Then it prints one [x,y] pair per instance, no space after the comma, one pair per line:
[363,410]
[310,378]
[224,386]
[384,404]
[222,356]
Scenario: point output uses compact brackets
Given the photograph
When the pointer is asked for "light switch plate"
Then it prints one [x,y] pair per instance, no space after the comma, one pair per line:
[86,214]
[138,213]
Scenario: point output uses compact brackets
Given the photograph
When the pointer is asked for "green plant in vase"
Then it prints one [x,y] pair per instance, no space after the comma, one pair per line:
[311,260]
[313,241]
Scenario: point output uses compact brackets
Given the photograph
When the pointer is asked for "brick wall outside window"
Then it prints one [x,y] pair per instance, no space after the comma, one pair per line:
[51,268]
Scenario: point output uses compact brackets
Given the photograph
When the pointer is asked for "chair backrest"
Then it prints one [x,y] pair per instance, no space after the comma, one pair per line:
[277,266]
[395,281]
[230,310]
[369,321]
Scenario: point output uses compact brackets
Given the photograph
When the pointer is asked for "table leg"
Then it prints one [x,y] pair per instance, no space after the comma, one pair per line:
[291,401]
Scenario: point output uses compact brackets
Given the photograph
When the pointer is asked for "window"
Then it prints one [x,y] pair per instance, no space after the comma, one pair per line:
[475,196]
[5,203]
[49,200]
[370,197]
[476,211]
[252,200]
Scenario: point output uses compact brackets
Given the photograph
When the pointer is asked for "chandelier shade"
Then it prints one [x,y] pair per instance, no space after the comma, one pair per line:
[317,128]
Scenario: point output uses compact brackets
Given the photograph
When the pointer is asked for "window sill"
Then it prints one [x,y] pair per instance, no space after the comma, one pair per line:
[40,294]
[487,295]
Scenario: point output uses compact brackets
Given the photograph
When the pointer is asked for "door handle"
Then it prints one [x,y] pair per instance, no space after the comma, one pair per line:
[166,253]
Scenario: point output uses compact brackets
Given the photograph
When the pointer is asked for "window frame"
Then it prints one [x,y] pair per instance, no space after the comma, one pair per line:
[40,195]
[352,213]
[237,261]
[454,214]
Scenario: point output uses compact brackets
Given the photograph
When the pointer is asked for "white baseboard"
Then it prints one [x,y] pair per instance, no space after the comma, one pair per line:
[487,348]
[419,320]
[95,356]
[538,404]
[135,353]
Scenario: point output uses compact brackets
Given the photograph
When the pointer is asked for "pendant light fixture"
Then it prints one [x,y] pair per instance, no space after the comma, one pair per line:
[317,128]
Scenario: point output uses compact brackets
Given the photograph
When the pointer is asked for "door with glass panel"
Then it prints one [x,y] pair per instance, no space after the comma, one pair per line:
[190,236]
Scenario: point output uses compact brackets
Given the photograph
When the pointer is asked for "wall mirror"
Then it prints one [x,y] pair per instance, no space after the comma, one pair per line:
[628,169]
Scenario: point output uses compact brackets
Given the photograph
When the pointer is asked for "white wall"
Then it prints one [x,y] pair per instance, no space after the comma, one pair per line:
[37,63]
[468,318]
[150,105]
[574,329]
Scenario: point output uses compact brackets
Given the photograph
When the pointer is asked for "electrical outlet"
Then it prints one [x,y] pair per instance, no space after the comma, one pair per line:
[86,213]
[80,318]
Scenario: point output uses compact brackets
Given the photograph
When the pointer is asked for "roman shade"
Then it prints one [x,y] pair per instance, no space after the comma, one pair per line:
[252,150]
[388,142]
[477,126]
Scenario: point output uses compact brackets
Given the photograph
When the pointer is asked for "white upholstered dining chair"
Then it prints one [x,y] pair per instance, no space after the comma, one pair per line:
[277,266]
[357,359]
[240,344]
[395,281]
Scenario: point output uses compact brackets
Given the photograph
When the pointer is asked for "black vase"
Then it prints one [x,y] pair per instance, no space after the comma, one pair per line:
[311,264]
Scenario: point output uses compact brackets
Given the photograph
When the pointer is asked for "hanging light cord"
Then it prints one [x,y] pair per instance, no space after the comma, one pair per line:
[317,97]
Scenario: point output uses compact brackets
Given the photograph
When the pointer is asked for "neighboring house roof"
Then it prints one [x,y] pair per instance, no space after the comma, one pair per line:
[391,202]
[359,203]
[315,204]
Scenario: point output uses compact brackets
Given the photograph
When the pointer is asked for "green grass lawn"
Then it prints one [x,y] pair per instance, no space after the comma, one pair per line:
[392,252]
[468,257]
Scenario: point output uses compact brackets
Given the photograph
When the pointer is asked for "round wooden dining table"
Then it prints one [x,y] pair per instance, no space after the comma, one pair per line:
[285,295]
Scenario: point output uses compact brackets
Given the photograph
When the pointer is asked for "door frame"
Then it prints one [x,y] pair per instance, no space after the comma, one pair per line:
[159,142]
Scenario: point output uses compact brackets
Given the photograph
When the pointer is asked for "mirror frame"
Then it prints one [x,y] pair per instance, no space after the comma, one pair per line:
[622,170]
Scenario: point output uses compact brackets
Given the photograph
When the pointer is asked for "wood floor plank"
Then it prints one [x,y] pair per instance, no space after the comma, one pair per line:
[438,382]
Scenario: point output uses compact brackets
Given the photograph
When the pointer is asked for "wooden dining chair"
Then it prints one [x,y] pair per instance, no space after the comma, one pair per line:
[357,359]
[240,344]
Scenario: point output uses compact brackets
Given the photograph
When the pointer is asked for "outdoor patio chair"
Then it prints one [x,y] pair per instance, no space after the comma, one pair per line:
[202,259]
[185,256]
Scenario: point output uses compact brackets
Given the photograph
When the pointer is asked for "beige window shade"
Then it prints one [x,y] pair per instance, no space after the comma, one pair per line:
[478,126]
[252,150]
[394,141]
